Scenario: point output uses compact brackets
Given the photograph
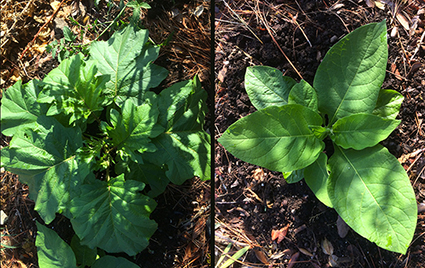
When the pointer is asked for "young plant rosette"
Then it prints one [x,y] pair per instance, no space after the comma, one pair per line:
[91,136]
[361,180]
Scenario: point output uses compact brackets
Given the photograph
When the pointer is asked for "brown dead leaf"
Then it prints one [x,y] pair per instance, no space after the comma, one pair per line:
[293,260]
[327,247]
[343,228]
[261,256]
[403,21]
[258,174]
[280,234]
[306,252]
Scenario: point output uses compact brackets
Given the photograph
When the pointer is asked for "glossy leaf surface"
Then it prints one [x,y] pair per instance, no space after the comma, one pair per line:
[316,176]
[127,58]
[73,89]
[359,131]
[266,86]
[388,104]
[348,79]
[371,192]
[19,108]
[277,138]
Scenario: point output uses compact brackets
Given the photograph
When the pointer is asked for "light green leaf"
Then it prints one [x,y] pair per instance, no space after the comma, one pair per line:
[113,216]
[52,251]
[184,147]
[348,79]
[266,86]
[316,176]
[371,192]
[302,93]
[277,138]
[294,176]
[46,160]
[388,104]
[127,57]
[20,108]
[359,131]
[113,262]
[85,255]
[131,129]
[73,89]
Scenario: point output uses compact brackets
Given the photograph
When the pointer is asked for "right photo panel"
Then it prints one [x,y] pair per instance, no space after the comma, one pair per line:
[319,153]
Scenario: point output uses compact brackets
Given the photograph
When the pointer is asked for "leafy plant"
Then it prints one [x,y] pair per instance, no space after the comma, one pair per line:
[66,46]
[361,180]
[96,145]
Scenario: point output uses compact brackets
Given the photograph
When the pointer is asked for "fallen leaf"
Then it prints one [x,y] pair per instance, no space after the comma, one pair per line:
[258,174]
[305,252]
[342,227]
[403,21]
[327,247]
[293,260]
[280,234]
[261,256]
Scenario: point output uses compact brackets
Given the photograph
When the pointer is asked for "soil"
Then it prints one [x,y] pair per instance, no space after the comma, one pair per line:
[182,213]
[251,201]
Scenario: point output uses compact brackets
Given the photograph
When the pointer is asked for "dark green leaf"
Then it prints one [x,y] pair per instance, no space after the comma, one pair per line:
[52,251]
[113,215]
[20,108]
[46,159]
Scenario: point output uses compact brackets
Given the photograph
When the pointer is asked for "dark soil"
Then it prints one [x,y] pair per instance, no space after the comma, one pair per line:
[254,204]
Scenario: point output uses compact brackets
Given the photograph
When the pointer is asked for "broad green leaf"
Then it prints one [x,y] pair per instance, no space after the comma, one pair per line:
[316,176]
[371,192]
[20,108]
[388,104]
[277,138]
[68,34]
[113,262]
[148,173]
[186,154]
[294,176]
[348,79]
[73,89]
[302,93]
[359,131]
[52,251]
[132,128]
[127,57]
[184,146]
[85,256]
[113,216]
[266,86]
[46,159]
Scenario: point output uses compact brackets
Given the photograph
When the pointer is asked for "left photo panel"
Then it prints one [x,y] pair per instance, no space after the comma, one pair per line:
[105,133]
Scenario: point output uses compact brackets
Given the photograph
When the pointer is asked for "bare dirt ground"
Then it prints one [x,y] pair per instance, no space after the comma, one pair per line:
[27,27]
[253,202]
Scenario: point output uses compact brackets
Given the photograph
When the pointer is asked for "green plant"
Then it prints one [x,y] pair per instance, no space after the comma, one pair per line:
[231,259]
[91,136]
[362,181]
[66,46]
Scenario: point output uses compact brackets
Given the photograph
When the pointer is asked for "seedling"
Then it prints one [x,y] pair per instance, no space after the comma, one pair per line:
[361,180]
[91,136]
